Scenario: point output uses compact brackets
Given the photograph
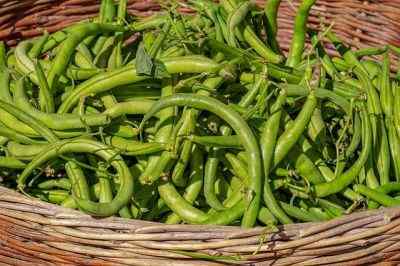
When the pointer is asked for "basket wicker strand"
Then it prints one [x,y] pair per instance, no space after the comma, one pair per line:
[38,233]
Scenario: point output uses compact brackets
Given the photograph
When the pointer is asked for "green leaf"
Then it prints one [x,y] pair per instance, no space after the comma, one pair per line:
[160,71]
[144,63]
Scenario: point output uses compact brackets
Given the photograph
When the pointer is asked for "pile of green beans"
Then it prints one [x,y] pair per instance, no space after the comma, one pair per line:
[202,120]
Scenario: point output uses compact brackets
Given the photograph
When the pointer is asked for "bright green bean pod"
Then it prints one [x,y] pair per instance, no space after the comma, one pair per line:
[11,162]
[231,142]
[300,31]
[133,147]
[374,195]
[271,12]
[210,173]
[394,148]
[297,213]
[266,217]
[25,152]
[342,181]
[36,125]
[304,166]
[383,157]
[389,188]
[127,75]
[235,18]
[77,35]
[155,163]
[396,108]
[52,196]
[290,136]
[268,142]
[148,23]
[332,207]
[240,127]
[38,45]
[125,190]
[46,100]
[195,184]
[62,183]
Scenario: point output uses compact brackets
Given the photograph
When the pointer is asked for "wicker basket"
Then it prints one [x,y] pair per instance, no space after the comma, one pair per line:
[37,233]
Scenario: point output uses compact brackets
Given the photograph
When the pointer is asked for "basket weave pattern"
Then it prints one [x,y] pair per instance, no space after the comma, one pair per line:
[37,233]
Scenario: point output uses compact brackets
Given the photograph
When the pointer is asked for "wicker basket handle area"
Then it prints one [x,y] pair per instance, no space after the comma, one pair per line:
[37,232]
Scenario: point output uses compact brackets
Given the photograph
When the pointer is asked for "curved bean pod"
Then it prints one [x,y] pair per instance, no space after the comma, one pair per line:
[240,127]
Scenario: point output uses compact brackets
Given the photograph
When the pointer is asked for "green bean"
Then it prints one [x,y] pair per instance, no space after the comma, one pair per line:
[155,163]
[195,184]
[25,152]
[210,173]
[235,18]
[290,136]
[356,138]
[82,73]
[383,157]
[217,141]
[319,214]
[103,55]
[298,90]
[396,109]
[386,92]
[222,24]
[238,167]
[69,202]
[370,51]
[154,21]
[379,197]
[389,188]
[181,164]
[83,57]
[133,147]
[331,207]
[300,30]
[127,75]
[266,217]
[240,127]
[324,58]
[158,42]
[38,45]
[277,72]
[304,166]
[11,162]
[78,181]
[394,148]
[52,196]
[54,40]
[271,13]
[46,100]
[56,121]
[342,181]
[98,209]
[76,36]
[228,215]
[268,142]
[36,125]
[23,62]
[15,136]
[62,183]
[297,213]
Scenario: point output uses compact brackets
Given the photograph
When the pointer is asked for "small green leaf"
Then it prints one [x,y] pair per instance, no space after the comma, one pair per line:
[160,71]
[144,63]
